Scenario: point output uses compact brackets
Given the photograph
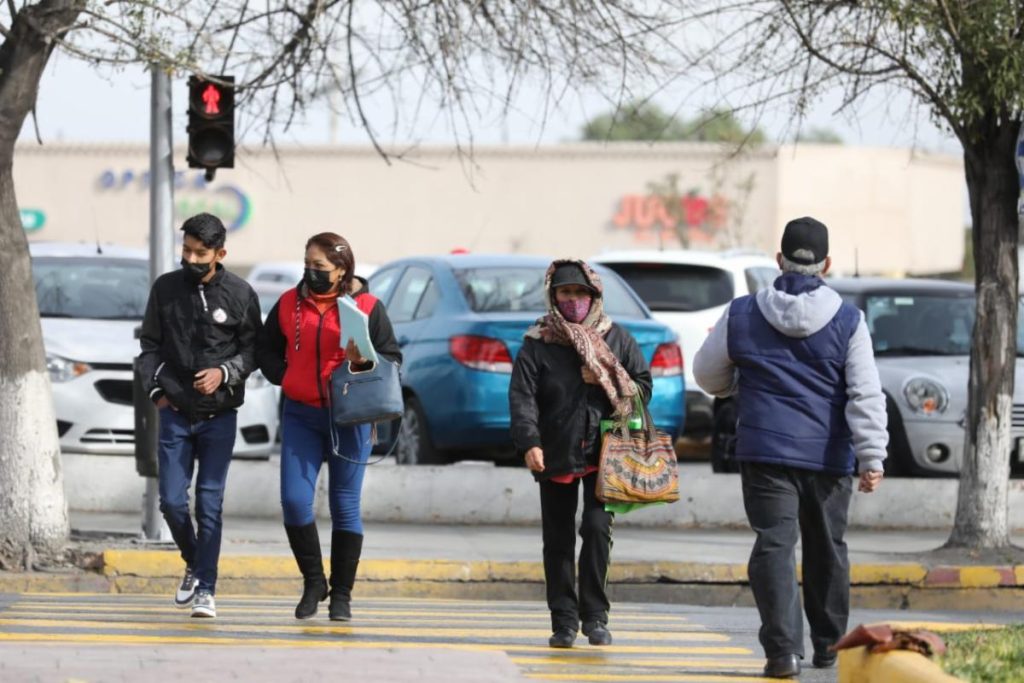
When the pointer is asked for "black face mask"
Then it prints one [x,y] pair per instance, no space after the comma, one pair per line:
[318,280]
[195,271]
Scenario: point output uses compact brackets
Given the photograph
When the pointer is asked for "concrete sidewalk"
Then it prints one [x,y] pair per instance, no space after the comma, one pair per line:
[889,569]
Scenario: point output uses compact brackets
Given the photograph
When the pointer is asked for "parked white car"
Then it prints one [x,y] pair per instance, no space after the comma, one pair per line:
[688,291]
[91,298]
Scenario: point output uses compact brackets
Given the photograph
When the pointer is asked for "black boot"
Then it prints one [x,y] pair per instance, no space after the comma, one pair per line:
[346,547]
[305,543]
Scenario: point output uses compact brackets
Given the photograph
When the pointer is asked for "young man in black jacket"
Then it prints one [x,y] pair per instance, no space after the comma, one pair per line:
[198,347]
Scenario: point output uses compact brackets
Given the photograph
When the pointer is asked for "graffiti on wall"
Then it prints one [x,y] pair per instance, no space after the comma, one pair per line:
[192,195]
[688,220]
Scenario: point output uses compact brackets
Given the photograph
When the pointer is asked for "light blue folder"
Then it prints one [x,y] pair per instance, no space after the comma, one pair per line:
[355,325]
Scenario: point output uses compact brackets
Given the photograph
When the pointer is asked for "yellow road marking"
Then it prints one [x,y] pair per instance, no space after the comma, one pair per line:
[654,663]
[119,639]
[398,631]
[290,606]
[948,626]
[651,678]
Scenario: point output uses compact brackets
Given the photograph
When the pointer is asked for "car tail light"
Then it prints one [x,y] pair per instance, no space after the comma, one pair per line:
[481,353]
[667,361]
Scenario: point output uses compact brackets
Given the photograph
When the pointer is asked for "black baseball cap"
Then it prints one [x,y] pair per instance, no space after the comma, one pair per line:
[805,234]
[569,274]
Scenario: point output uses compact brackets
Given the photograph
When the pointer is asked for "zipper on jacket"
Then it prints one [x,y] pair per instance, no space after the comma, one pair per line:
[202,295]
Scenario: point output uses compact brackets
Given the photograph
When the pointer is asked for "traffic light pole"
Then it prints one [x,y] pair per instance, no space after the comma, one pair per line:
[161,246]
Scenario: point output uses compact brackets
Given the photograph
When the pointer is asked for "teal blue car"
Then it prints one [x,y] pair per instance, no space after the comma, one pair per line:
[460,321]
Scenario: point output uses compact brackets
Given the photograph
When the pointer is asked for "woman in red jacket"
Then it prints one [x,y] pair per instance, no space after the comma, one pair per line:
[299,349]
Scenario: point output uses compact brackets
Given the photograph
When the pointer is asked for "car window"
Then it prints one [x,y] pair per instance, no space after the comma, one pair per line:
[407,294]
[383,281]
[97,288]
[761,277]
[915,324]
[521,288]
[428,302]
[677,287]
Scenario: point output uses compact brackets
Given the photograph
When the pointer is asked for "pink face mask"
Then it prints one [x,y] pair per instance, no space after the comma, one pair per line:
[575,310]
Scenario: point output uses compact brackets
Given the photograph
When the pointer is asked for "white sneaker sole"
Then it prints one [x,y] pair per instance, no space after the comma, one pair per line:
[203,613]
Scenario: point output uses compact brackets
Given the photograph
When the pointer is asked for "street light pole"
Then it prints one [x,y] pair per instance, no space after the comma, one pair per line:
[161,247]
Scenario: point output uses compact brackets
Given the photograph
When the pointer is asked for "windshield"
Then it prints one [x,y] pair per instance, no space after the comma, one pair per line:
[677,287]
[98,288]
[514,289]
[919,325]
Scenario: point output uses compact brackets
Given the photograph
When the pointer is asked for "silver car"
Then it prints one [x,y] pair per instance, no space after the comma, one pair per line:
[91,299]
[921,333]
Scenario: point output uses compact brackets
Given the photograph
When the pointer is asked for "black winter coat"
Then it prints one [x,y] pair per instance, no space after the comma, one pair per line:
[190,327]
[553,408]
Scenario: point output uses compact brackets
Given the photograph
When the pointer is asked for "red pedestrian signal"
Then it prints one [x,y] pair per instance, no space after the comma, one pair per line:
[211,98]
[211,123]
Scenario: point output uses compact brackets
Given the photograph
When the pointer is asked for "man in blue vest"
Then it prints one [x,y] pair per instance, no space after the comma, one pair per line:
[810,412]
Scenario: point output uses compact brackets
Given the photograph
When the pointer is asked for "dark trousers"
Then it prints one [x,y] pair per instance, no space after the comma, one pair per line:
[558,504]
[305,445]
[782,504]
[183,444]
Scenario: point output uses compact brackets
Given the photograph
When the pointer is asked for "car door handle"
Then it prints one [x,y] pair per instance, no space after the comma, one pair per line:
[403,340]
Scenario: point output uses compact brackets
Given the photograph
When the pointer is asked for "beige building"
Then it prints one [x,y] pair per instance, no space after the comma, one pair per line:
[893,210]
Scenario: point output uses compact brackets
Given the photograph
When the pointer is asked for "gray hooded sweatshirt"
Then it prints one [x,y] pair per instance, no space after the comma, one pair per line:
[799,316]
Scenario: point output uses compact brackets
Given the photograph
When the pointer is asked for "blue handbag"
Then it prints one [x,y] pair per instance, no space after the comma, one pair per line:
[365,396]
[357,397]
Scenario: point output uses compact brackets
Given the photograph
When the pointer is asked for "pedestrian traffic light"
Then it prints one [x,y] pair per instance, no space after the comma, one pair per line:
[211,123]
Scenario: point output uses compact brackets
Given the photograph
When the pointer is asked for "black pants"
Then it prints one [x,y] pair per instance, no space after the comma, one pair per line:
[558,504]
[782,502]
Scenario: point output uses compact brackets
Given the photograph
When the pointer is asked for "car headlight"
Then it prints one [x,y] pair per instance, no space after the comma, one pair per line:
[62,369]
[926,396]
[256,380]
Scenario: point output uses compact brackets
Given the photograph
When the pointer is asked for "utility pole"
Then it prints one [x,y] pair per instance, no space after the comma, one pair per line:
[161,255]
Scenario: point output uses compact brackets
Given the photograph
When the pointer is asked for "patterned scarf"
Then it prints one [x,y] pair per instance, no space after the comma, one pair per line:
[587,338]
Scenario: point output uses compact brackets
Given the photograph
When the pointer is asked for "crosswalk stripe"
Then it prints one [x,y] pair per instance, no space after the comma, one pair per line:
[648,678]
[289,608]
[356,630]
[127,639]
[703,663]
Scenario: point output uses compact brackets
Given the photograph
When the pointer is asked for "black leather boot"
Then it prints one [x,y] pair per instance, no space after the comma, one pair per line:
[305,543]
[346,547]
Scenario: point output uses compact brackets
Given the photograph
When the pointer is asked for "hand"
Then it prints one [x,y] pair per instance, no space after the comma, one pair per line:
[535,459]
[208,380]
[869,481]
[352,354]
[589,376]
[162,403]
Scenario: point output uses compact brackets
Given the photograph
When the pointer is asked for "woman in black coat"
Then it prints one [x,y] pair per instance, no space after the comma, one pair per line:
[576,368]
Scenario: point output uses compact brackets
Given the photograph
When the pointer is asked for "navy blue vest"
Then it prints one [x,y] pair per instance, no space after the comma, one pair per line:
[792,392]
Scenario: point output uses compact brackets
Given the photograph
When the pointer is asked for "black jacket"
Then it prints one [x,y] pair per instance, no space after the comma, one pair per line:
[552,407]
[190,327]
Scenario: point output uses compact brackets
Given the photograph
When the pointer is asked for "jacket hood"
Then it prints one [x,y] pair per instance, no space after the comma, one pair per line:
[798,305]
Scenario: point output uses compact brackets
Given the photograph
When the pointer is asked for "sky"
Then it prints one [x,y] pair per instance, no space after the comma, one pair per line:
[78,103]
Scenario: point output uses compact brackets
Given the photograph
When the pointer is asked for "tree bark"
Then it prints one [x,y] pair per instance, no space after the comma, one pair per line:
[981,513]
[33,513]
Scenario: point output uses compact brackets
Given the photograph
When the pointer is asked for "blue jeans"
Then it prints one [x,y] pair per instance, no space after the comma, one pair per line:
[182,444]
[305,444]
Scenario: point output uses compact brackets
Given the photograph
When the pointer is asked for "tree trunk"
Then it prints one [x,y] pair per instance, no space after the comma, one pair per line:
[992,183]
[33,513]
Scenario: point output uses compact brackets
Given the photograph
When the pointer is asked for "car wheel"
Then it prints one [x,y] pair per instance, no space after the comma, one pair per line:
[899,461]
[723,437]
[414,446]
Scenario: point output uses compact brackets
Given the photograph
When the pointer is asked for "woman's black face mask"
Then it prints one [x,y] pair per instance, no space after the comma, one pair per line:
[318,280]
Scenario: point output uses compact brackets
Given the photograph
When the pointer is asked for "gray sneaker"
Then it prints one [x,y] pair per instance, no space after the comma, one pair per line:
[186,591]
[203,605]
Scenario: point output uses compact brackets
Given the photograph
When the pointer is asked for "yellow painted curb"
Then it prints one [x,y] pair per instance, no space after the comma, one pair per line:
[904,574]
[857,665]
